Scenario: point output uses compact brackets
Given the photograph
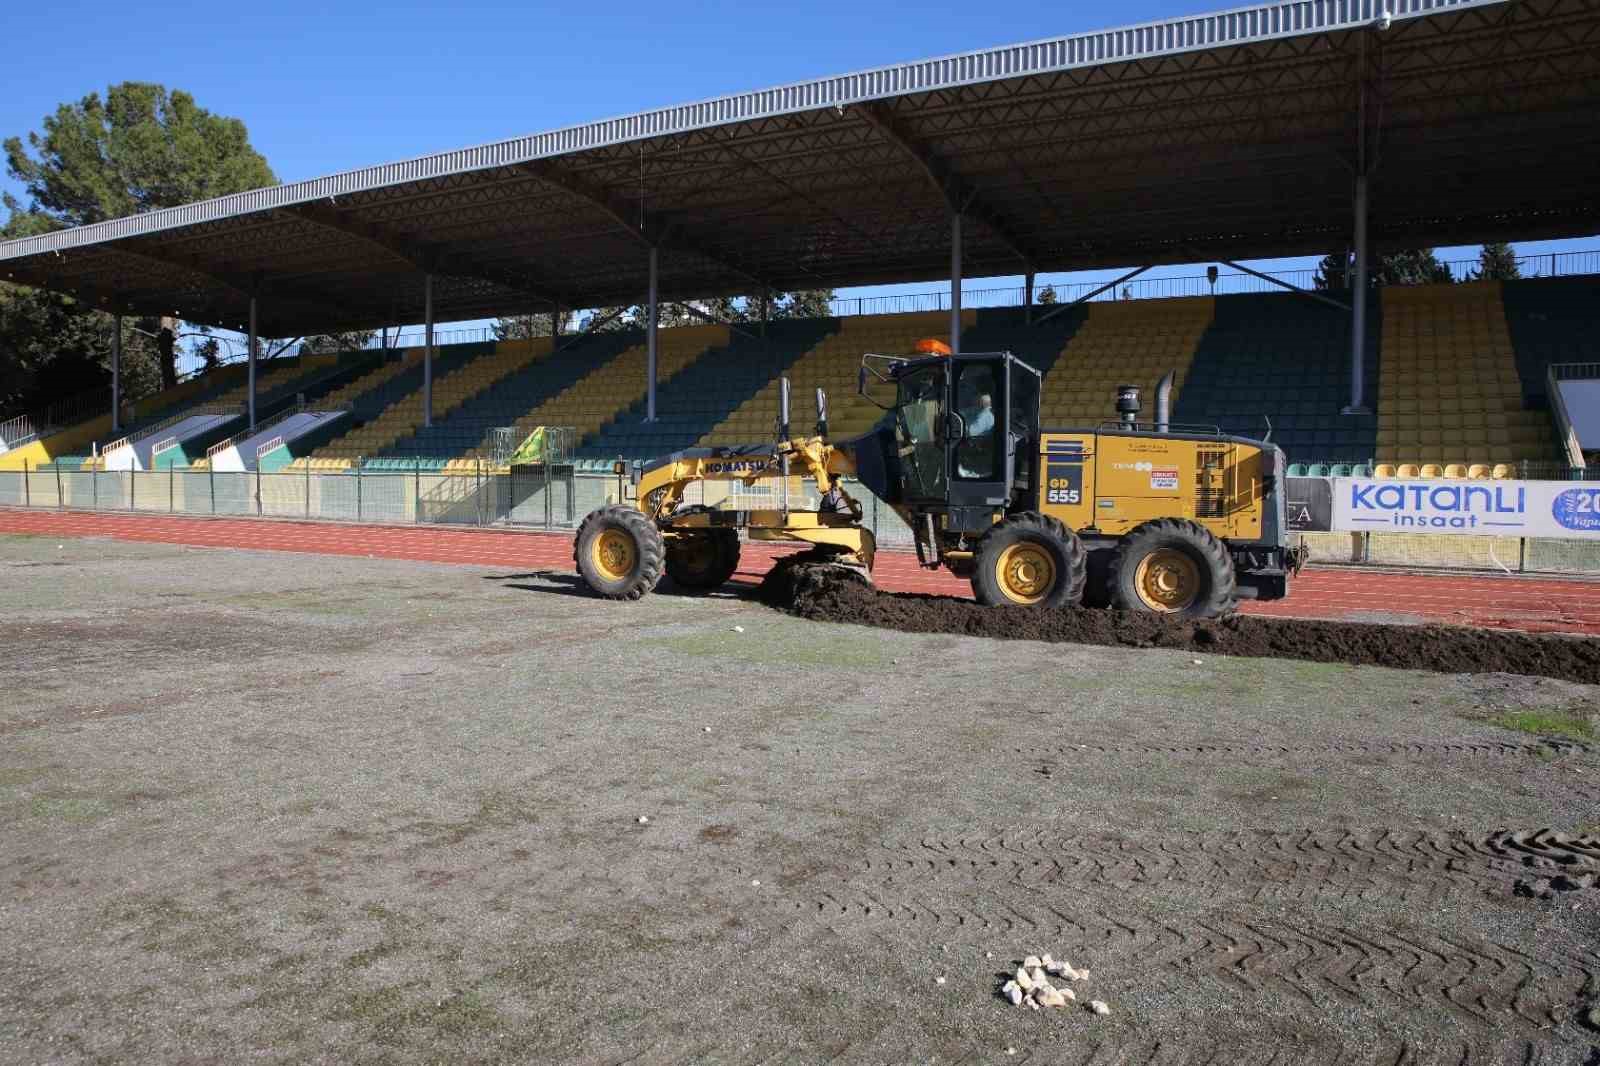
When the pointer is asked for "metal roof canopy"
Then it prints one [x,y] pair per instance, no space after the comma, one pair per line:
[1231,135]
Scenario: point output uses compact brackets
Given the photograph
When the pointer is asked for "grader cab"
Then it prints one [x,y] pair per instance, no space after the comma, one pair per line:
[1143,517]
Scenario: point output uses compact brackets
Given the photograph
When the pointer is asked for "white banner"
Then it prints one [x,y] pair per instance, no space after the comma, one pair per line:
[1485,508]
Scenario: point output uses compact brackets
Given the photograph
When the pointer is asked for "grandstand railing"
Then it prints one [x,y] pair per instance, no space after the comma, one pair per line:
[1556,373]
[1556,264]
[171,420]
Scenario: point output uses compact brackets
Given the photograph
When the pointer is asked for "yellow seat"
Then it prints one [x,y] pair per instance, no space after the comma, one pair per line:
[1406,470]
[1383,470]
[1503,471]
[1455,470]
[1478,471]
[1430,470]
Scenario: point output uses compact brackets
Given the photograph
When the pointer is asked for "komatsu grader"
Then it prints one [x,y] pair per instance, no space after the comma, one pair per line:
[1143,517]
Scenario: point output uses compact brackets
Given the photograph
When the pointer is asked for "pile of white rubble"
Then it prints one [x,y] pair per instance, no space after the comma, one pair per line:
[1032,984]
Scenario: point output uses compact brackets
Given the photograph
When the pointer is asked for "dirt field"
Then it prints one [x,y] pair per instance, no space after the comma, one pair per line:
[279,808]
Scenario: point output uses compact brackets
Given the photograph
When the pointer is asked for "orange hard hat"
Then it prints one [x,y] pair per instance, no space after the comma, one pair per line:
[931,346]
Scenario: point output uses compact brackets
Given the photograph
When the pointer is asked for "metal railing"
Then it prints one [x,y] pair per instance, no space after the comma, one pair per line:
[1554,375]
[171,420]
[244,434]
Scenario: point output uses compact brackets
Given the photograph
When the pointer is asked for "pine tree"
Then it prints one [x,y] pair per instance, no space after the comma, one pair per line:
[1497,262]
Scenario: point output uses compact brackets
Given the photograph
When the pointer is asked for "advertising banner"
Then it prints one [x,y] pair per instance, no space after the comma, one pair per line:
[1308,502]
[1485,508]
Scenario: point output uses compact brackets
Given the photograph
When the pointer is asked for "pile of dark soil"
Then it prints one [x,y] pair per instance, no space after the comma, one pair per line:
[828,597]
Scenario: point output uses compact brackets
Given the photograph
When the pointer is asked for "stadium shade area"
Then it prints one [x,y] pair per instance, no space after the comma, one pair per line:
[1278,130]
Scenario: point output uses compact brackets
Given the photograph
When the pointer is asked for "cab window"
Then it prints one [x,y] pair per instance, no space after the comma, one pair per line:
[979,456]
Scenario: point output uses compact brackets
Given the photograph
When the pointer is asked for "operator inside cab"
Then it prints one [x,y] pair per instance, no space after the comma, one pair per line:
[975,455]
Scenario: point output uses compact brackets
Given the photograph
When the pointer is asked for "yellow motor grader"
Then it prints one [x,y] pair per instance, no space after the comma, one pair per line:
[1142,517]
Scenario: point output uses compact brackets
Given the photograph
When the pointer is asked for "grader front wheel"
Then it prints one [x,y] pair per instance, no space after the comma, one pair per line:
[619,553]
[700,562]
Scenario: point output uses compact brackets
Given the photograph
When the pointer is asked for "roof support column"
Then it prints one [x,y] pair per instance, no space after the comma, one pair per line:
[652,322]
[1358,306]
[1027,298]
[251,353]
[116,373]
[427,349]
[955,281]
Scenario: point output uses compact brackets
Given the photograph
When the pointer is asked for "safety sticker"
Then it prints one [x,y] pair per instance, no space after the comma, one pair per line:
[1164,478]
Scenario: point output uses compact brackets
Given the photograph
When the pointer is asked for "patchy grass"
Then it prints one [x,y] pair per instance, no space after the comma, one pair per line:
[1547,724]
[758,646]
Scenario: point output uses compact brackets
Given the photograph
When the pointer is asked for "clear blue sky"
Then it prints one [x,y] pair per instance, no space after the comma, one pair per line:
[330,86]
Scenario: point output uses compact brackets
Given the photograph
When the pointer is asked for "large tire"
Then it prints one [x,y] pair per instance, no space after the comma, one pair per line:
[702,561]
[619,552]
[1029,560]
[1174,567]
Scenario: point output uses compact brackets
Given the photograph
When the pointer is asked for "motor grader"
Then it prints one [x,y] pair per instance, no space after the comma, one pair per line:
[1155,518]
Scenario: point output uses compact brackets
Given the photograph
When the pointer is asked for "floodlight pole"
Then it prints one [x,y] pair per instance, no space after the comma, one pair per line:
[652,322]
[1027,298]
[427,349]
[116,373]
[955,281]
[1358,306]
[250,358]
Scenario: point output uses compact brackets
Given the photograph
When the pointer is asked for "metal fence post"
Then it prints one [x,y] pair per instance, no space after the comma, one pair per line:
[308,490]
[259,511]
[27,490]
[133,487]
[478,470]
[416,509]
[94,488]
[172,488]
[61,500]
[211,482]
[358,494]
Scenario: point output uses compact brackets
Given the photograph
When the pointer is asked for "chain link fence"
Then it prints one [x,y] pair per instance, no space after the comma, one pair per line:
[555,497]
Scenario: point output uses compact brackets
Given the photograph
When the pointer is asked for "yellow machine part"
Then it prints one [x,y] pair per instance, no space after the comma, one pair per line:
[661,490]
[1114,482]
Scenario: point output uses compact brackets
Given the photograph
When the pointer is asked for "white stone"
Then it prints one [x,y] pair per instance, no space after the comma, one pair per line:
[1196,662]
[1013,992]
[938,980]
[1046,961]
[1033,1003]
[1031,962]
[1052,998]
[644,819]
[740,629]
[1099,1006]
[755,884]
[1069,994]
[1024,980]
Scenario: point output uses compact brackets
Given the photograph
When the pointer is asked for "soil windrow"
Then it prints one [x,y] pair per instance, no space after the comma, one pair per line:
[827,597]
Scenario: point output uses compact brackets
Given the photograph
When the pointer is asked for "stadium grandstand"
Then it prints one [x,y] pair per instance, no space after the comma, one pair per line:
[1301,127]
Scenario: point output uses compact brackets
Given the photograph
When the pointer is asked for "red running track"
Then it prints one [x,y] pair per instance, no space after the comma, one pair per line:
[1531,604]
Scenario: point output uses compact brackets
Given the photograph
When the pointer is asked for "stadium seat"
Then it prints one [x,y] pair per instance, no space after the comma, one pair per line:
[1478,471]
[1431,470]
[1383,471]
[1297,470]
[1455,470]
[1407,470]
[1503,471]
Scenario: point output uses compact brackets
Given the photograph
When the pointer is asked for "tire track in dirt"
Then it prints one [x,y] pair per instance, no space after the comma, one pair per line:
[1488,985]
[1543,749]
[1382,864]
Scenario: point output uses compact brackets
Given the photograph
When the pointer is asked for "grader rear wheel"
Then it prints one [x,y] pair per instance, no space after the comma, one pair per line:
[619,553]
[1029,560]
[1172,566]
